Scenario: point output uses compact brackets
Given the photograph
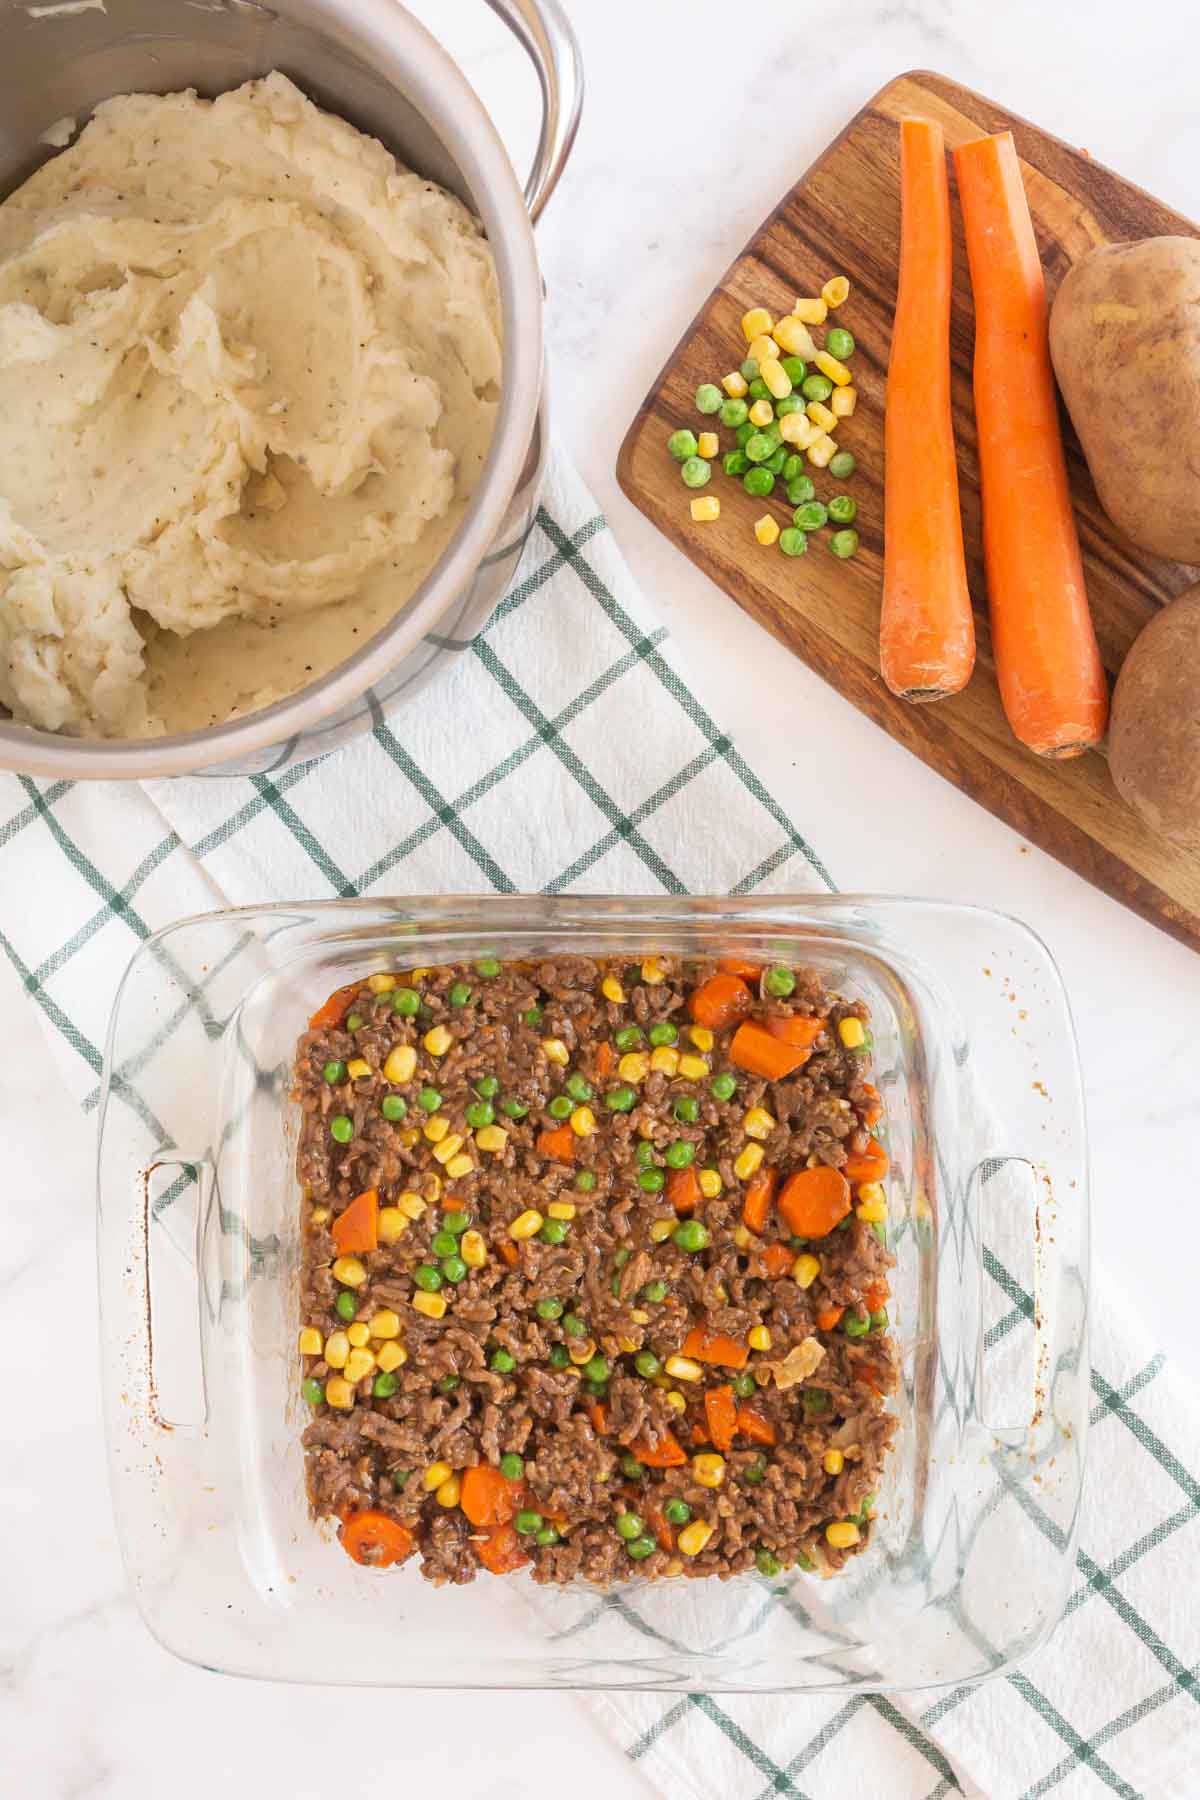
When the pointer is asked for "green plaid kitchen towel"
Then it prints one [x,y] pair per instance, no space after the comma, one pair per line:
[564,752]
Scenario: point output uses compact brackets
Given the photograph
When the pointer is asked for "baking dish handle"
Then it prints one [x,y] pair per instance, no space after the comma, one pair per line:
[179,1203]
[1010,1340]
[548,39]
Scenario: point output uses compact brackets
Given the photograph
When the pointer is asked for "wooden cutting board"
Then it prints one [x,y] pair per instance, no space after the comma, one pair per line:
[842,217]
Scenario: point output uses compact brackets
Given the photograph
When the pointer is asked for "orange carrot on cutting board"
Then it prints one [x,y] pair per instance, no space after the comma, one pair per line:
[926,631]
[1047,660]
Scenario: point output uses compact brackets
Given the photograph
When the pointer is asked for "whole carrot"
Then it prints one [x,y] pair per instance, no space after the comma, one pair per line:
[926,630]
[1047,660]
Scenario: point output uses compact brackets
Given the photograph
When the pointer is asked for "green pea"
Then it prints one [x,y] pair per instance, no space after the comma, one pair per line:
[479,1114]
[749,369]
[429,1099]
[773,434]
[341,1129]
[663,1033]
[651,1181]
[346,1305]
[560,1107]
[776,461]
[778,981]
[792,470]
[789,404]
[629,1525]
[744,1385]
[708,398]
[503,1362]
[644,1153]
[631,1467]
[459,994]
[621,1099]
[690,1234]
[758,447]
[393,1106]
[844,544]
[554,1231]
[743,434]
[546,1536]
[723,1087]
[641,1547]
[400,1476]
[755,1472]
[456,1223]
[444,1243]
[384,1385]
[427,1277]
[696,471]
[621,1256]
[513,1109]
[758,389]
[534,1015]
[527,1521]
[810,517]
[574,1326]
[854,1327]
[405,1001]
[793,368]
[646,1364]
[839,342]
[448,1383]
[579,1087]
[682,444]
[843,510]
[680,1154]
[512,1466]
[334,1073]
[585,1181]
[559,1357]
[654,1293]
[313,1392]
[736,462]
[879,1319]
[880,1230]
[487,1087]
[354,1021]
[805,1562]
[816,1402]
[816,387]
[454,1268]
[733,413]
[758,481]
[549,1309]
[766,1564]
[800,489]
[842,465]
[792,542]
[686,1109]
[628,1038]
[677,1512]
[798,1243]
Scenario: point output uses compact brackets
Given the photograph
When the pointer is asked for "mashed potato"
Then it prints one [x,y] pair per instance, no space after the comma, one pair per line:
[249,369]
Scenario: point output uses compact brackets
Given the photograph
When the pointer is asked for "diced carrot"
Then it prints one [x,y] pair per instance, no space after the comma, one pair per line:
[511,1254]
[487,1497]
[719,1001]
[714,1347]
[777,1260]
[828,1317]
[870,1164]
[656,1519]
[376,1539]
[872,1113]
[683,1189]
[604,1060]
[357,1228]
[759,1052]
[813,1201]
[752,1425]
[799,1029]
[501,1551]
[667,1453]
[760,1191]
[597,1412]
[875,1296]
[737,965]
[558,1144]
[335,1008]
[720,1410]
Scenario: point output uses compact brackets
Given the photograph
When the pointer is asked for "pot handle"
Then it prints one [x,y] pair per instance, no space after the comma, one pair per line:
[545,34]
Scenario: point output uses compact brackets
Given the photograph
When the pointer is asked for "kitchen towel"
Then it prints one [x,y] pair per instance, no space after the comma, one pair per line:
[564,752]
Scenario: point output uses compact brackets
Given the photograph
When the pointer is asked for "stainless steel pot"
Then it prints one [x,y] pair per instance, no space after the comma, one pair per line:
[373,63]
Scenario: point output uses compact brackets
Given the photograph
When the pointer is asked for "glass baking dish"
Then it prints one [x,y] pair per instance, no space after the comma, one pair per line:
[971,1559]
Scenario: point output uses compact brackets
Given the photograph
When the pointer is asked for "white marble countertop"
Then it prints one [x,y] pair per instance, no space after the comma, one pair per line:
[698,118]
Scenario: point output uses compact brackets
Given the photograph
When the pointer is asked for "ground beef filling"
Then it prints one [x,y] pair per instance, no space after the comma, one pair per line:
[558,1311]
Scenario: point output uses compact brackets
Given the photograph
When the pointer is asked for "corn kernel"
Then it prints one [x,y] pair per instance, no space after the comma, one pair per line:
[432,1305]
[761,348]
[805,1269]
[694,1537]
[449,1147]
[401,1065]
[653,973]
[743,1237]
[612,990]
[640,1316]
[437,1041]
[683,1368]
[710,1183]
[794,338]
[675,1400]
[749,1162]
[381,984]
[709,1469]
[410,1137]
[692,1068]
[837,371]
[633,1067]
[871,1190]
[833,1462]
[705,509]
[415,975]
[665,1060]
[754,322]
[359,1364]
[735,384]
[851,1033]
[707,444]
[385,1323]
[357,1067]
[836,291]
[561,1209]
[410,1204]
[392,1225]
[433,1185]
[674,1566]
[701,1036]
[843,400]
[435,1474]
[581,1350]
[391,1356]
[349,1271]
[661,1229]
[821,453]
[450,1492]
[810,310]
[556,1051]
[798,430]
[758,1337]
[527,1225]
[762,412]
[765,529]
[872,1212]
[473,1249]
[778,381]
[842,1534]
[491,1137]
[628,1346]
[436,1128]
[337,1349]
[310,1341]
[339,1393]
[821,415]
[358,1333]
[757,1122]
[320,1215]
[583,1121]
[459,1166]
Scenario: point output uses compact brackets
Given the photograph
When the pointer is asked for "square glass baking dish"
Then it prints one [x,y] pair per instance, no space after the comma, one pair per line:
[971,1560]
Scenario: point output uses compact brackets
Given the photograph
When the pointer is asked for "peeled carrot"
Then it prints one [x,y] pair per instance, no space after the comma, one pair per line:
[926,628]
[752,1425]
[558,1144]
[813,1201]
[666,1453]
[1047,660]
[777,1261]
[335,1008]
[759,1052]
[873,1111]
[719,1001]
[376,1539]
[604,1060]
[720,1412]
[597,1414]
[760,1191]
[737,965]
[357,1228]
[656,1519]
[870,1164]
[708,1346]
[829,1317]
[501,1551]
[488,1497]
[875,1296]
[683,1189]
[799,1029]
[511,1254]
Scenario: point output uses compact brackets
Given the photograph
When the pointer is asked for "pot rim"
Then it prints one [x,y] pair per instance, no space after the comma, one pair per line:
[388,37]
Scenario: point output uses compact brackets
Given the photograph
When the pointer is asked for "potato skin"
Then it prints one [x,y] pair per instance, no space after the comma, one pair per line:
[1154,734]
[1125,341]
